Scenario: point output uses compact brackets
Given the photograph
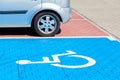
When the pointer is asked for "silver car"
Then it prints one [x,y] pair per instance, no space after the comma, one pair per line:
[43,15]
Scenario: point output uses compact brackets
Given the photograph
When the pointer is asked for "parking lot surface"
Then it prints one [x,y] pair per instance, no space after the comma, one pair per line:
[104,13]
[81,51]
[103,51]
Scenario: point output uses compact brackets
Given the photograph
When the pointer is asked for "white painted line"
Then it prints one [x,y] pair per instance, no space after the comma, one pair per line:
[108,37]
[46,59]
[55,37]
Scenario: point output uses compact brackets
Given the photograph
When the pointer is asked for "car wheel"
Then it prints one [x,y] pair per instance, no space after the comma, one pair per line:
[46,24]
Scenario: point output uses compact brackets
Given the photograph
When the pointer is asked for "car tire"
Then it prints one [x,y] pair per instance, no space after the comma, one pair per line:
[46,24]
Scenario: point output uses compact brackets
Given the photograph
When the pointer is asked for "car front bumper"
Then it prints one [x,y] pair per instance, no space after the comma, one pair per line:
[65,13]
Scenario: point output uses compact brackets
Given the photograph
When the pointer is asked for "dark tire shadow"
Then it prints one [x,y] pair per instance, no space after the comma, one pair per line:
[17,31]
[59,31]
[20,31]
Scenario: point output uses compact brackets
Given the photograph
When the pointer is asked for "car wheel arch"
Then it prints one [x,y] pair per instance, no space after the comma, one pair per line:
[46,11]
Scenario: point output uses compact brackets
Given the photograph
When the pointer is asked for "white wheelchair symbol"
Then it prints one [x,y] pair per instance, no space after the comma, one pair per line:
[56,61]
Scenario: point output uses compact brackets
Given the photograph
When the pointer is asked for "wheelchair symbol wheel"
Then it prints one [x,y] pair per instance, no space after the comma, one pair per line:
[90,62]
[57,63]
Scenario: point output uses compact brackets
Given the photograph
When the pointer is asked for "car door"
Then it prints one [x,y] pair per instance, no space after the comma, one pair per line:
[14,12]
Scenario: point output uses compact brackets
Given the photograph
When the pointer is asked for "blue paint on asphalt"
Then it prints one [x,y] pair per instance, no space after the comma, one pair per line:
[105,52]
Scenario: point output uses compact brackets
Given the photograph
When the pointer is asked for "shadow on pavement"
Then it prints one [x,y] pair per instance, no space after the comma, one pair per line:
[17,31]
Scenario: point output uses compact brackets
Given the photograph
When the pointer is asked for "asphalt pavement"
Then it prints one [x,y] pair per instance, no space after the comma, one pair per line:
[104,13]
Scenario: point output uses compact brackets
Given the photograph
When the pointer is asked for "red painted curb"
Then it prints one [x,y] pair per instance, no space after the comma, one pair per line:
[79,26]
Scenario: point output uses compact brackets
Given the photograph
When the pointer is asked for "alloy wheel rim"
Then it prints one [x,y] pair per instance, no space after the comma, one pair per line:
[47,24]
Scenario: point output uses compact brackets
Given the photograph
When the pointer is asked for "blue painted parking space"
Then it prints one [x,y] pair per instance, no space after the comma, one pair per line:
[59,59]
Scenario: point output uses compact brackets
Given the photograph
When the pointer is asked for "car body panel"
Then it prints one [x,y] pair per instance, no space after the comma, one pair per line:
[20,13]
